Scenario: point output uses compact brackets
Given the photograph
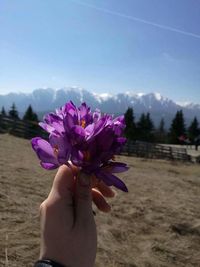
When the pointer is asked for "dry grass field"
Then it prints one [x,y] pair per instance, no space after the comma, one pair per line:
[157,224]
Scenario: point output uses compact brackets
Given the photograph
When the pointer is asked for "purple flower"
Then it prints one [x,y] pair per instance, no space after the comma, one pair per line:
[88,139]
[52,154]
[105,173]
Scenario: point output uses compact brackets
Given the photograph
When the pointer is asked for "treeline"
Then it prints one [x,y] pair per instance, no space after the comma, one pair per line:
[145,130]
[29,115]
[26,127]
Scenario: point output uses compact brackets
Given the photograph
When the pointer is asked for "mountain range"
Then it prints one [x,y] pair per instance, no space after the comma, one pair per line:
[45,100]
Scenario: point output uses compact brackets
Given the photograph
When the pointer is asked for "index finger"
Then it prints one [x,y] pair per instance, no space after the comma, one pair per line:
[102,187]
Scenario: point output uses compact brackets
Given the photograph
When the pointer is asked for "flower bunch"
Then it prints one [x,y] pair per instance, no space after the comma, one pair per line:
[88,139]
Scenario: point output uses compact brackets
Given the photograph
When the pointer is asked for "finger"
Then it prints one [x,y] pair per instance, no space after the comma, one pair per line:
[75,170]
[83,199]
[63,184]
[60,204]
[100,201]
[105,190]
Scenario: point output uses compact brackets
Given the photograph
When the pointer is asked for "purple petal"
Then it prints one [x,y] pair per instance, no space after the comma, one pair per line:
[78,134]
[110,179]
[119,120]
[98,127]
[105,139]
[69,122]
[77,157]
[52,123]
[96,115]
[121,140]
[70,109]
[89,129]
[44,150]
[84,110]
[117,167]
[46,127]
[85,114]
[63,147]
[119,125]
[48,166]
[51,118]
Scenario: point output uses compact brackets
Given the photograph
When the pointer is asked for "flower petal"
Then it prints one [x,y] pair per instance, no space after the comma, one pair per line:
[78,134]
[117,167]
[46,127]
[48,166]
[77,157]
[69,122]
[110,179]
[44,150]
[105,139]
[96,115]
[61,144]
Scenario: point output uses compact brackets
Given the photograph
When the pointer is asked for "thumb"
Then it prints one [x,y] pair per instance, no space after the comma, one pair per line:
[63,187]
[83,200]
[58,208]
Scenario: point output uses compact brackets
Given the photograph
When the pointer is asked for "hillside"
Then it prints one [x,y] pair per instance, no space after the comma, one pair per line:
[157,224]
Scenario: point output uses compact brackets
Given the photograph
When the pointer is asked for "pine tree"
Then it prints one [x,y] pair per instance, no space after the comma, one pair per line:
[193,129]
[3,112]
[13,113]
[145,128]
[177,128]
[149,123]
[161,133]
[30,115]
[130,130]
[141,127]
[161,127]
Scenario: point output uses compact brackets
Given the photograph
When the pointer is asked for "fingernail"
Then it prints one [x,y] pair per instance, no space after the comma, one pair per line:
[84,180]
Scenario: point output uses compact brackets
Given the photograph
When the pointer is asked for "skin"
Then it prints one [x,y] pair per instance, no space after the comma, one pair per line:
[68,230]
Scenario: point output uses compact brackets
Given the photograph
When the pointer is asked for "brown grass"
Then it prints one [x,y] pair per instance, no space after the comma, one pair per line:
[157,224]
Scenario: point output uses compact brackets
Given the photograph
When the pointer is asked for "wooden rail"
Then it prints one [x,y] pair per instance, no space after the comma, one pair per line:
[151,150]
[20,128]
[27,129]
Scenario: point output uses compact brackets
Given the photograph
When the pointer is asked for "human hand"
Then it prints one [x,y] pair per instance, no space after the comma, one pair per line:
[68,230]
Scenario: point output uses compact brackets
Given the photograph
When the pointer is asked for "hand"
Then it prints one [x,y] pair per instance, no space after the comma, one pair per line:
[68,230]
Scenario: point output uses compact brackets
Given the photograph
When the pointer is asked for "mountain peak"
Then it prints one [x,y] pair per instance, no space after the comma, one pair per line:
[44,100]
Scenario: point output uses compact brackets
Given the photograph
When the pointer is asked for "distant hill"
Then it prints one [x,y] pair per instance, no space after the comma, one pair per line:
[45,100]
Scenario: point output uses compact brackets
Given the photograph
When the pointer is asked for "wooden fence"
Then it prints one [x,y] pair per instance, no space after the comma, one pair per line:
[151,150]
[27,129]
[20,128]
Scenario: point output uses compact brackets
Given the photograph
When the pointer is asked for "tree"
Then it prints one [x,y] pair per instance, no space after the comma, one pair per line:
[161,133]
[3,112]
[130,130]
[30,115]
[145,128]
[193,129]
[177,128]
[13,113]
[149,123]
[161,128]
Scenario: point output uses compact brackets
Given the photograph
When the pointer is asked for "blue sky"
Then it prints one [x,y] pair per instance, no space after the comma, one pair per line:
[101,45]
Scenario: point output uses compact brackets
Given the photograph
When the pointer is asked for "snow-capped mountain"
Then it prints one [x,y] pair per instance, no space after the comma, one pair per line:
[43,100]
